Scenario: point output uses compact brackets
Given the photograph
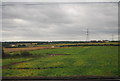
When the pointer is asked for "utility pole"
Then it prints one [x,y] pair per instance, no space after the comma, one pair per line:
[87,35]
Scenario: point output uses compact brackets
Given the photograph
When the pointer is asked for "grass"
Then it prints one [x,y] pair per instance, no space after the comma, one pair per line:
[7,61]
[95,60]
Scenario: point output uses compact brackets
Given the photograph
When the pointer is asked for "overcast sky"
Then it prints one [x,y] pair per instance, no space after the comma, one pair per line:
[38,21]
[60,0]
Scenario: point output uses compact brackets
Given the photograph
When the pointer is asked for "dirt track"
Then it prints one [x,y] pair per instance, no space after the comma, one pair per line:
[24,49]
[8,65]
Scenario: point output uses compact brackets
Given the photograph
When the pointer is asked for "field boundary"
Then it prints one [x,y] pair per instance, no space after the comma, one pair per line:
[64,78]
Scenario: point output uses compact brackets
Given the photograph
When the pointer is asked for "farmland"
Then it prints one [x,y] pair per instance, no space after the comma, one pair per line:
[49,46]
[68,61]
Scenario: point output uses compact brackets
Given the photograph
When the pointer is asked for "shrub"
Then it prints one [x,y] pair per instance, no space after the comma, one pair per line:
[25,53]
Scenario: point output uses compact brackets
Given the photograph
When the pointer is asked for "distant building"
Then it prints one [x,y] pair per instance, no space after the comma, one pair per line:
[53,46]
[12,45]
[105,40]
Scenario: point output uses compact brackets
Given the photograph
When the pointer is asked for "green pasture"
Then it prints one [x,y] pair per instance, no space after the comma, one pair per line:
[7,61]
[92,60]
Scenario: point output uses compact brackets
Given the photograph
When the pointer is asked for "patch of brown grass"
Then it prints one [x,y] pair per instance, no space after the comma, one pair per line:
[24,49]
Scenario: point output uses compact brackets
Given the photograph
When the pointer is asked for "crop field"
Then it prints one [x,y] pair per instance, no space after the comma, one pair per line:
[69,61]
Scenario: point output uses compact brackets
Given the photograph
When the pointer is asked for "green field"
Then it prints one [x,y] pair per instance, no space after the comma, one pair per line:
[89,60]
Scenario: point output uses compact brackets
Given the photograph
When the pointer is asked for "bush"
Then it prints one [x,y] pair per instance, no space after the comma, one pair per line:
[4,55]
[25,53]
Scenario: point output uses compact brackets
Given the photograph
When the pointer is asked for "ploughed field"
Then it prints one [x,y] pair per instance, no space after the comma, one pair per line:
[69,61]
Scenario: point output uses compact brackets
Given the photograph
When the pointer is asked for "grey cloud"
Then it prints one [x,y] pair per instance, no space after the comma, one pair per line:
[59,21]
